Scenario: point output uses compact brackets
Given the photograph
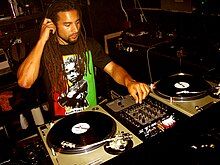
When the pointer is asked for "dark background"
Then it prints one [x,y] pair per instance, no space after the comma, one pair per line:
[190,27]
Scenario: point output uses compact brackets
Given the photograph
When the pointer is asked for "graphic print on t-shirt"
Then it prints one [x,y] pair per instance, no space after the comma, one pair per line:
[81,84]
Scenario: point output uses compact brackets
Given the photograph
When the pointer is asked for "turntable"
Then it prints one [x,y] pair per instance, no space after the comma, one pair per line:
[182,87]
[89,137]
[187,93]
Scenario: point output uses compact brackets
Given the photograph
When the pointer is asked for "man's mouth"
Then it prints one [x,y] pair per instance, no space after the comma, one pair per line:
[74,36]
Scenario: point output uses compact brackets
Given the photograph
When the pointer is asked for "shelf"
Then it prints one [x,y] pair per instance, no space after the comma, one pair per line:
[18,33]
[20,19]
[20,25]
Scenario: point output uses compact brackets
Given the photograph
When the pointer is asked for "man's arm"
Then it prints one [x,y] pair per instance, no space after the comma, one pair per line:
[29,69]
[137,90]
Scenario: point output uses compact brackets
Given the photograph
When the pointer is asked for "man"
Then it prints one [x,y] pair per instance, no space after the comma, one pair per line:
[65,57]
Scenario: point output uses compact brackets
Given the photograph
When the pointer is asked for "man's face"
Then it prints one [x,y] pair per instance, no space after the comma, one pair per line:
[68,27]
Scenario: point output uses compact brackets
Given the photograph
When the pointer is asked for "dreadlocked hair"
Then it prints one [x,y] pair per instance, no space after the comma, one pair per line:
[52,56]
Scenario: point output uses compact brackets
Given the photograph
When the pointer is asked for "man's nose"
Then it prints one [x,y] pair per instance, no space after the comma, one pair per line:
[75,28]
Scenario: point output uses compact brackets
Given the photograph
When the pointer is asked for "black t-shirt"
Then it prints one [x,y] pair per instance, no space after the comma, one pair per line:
[99,58]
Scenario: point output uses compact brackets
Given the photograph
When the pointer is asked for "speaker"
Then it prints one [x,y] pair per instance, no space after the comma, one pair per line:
[177,5]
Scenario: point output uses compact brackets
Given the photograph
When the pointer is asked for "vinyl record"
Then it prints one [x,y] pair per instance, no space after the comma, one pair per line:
[77,132]
[182,87]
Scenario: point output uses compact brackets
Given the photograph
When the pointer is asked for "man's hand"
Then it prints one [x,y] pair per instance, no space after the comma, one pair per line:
[138,90]
[46,28]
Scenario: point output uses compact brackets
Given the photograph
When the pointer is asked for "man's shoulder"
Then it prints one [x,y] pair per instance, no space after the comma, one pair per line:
[93,44]
[91,40]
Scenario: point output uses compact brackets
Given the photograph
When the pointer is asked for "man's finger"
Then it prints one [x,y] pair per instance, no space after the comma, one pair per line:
[140,94]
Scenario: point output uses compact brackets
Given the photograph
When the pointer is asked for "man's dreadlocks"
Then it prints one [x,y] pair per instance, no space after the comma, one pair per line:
[52,57]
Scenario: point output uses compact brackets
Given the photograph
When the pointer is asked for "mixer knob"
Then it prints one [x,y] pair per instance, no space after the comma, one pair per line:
[149,113]
[139,117]
[135,114]
[154,114]
[129,110]
[149,117]
[143,120]
[120,104]
[160,112]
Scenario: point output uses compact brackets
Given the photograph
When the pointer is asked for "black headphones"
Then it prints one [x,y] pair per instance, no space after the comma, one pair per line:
[73,3]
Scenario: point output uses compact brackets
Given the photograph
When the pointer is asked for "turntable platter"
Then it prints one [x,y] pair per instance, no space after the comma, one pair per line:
[182,87]
[74,133]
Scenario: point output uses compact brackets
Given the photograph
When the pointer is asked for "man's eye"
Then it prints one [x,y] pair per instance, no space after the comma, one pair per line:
[67,24]
[77,22]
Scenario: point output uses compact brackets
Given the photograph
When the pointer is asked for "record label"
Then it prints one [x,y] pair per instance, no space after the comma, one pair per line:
[80,128]
[181,85]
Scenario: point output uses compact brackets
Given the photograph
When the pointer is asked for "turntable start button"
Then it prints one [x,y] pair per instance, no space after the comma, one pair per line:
[198,108]
[95,108]
[120,104]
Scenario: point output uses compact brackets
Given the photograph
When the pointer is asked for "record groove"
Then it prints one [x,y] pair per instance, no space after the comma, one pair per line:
[182,87]
[74,133]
